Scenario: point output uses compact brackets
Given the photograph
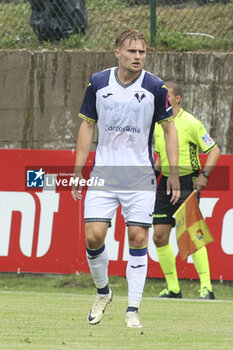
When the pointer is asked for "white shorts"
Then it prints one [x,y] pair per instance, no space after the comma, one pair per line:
[137,207]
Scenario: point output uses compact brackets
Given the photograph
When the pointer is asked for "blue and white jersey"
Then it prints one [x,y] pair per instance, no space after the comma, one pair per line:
[126,116]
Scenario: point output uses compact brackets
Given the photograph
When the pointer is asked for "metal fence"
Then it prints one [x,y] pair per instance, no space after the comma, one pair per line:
[165,23]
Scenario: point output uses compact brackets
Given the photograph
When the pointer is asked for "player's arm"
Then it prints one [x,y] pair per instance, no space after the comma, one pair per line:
[210,163]
[84,141]
[172,150]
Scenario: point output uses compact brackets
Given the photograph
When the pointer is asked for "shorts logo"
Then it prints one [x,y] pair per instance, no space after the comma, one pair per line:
[35,178]
[208,140]
[160,215]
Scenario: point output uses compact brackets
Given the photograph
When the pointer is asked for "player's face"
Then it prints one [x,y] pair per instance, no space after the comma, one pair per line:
[131,56]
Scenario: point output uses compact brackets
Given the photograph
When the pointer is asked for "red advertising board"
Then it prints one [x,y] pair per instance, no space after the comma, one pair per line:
[43,230]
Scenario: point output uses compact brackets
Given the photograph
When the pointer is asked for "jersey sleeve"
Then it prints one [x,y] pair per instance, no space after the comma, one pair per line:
[88,108]
[202,137]
[163,108]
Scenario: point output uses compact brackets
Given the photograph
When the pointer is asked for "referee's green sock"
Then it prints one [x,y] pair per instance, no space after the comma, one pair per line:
[168,265]
[201,263]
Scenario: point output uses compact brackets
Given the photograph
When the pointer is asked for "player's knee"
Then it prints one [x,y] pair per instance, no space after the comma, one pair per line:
[94,239]
[94,242]
[137,236]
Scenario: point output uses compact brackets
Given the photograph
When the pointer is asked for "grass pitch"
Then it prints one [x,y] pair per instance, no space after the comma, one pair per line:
[54,321]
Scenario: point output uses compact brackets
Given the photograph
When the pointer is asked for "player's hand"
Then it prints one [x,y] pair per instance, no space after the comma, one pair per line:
[76,191]
[200,183]
[173,187]
[76,194]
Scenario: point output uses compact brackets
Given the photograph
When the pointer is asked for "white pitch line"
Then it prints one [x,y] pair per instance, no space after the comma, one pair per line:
[74,296]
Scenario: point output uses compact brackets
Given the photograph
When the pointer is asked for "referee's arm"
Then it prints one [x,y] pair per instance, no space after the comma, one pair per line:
[210,163]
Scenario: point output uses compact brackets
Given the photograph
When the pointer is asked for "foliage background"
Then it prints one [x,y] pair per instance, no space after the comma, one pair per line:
[181,25]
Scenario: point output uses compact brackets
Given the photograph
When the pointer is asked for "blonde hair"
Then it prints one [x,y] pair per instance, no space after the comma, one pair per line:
[130,34]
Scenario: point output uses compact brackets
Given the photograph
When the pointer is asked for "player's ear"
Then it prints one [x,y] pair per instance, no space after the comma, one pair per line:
[117,53]
[178,98]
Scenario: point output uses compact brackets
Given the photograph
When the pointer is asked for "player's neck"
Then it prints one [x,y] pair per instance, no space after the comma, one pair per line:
[126,77]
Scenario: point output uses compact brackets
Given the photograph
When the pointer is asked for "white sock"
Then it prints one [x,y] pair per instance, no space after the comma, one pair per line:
[98,265]
[136,275]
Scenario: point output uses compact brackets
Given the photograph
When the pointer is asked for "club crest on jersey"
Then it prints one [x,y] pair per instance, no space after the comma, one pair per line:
[139,97]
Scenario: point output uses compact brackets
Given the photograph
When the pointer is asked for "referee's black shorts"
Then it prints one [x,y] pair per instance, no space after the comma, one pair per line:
[164,210]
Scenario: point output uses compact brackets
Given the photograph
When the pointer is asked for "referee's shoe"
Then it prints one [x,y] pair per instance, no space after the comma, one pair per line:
[97,311]
[170,294]
[206,294]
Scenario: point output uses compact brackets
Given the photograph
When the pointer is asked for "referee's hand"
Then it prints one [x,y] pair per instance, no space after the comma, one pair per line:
[200,183]
[173,187]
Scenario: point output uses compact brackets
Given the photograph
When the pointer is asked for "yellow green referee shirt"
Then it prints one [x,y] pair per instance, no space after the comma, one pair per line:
[192,136]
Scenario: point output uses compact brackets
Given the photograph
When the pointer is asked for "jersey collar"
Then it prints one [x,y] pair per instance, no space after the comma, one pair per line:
[180,113]
[122,84]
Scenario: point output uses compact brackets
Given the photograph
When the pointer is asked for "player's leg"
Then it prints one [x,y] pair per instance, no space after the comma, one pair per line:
[99,209]
[201,263]
[137,211]
[163,222]
[97,256]
[136,272]
[97,259]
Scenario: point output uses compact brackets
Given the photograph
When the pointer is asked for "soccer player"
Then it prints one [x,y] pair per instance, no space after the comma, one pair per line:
[192,135]
[124,102]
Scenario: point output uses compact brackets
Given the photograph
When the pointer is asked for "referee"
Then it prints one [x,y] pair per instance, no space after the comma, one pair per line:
[192,135]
